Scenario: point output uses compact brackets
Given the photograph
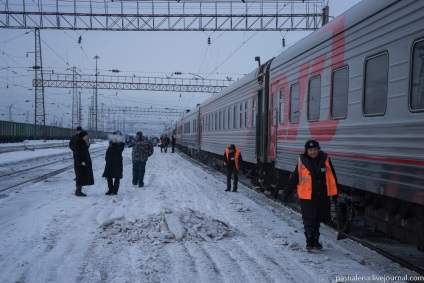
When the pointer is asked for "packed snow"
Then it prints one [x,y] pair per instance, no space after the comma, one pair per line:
[180,227]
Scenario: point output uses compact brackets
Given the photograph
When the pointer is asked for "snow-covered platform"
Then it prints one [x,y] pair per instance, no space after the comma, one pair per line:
[180,227]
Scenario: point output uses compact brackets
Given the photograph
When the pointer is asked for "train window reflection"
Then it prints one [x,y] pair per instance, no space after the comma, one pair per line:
[376,85]
[281,111]
[340,91]
[294,103]
[314,99]
[417,81]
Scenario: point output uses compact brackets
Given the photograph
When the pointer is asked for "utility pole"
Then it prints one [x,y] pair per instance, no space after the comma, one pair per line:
[95,99]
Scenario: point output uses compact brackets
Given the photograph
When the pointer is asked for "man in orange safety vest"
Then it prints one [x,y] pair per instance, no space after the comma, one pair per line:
[233,162]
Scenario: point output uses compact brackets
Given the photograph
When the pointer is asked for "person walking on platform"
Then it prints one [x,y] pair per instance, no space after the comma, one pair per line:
[173,143]
[233,162]
[114,166]
[161,144]
[141,152]
[84,170]
[316,183]
[165,142]
[73,147]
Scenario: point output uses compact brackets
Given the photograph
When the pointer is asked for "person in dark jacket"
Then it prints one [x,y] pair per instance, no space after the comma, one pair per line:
[165,141]
[316,183]
[114,166]
[141,152]
[73,147]
[84,170]
[233,161]
[173,143]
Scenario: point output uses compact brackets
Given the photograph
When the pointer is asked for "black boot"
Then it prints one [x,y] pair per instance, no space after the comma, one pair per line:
[79,193]
[309,241]
[317,244]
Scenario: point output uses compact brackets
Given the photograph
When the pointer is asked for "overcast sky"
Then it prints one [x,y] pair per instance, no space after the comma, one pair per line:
[144,54]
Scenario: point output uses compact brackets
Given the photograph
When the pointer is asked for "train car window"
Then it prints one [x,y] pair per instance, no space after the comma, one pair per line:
[340,89]
[219,120]
[241,116]
[228,118]
[234,118]
[224,119]
[254,113]
[417,81]
[376,85]
[281,105]
[245,115]
[314,98]
[294,103]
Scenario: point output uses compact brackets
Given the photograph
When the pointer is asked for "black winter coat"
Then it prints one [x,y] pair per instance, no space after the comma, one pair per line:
[73,144]
[84,173]
[319,207]
[113,158]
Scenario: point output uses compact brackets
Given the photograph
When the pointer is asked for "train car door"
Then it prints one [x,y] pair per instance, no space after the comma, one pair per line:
[262,120]
[259,126]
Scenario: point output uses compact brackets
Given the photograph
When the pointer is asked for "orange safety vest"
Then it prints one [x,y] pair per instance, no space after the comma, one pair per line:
[304,187]
[236,155]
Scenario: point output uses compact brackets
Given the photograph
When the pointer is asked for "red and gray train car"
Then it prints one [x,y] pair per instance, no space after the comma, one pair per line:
[357,86]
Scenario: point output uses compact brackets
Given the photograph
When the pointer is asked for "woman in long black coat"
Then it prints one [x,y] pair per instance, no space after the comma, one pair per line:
[84,169]
[114,164]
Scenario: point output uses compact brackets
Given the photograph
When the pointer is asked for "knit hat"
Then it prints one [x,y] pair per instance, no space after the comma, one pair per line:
[82,134]
[232,147]
[312,144]
[139,135]
[79,129]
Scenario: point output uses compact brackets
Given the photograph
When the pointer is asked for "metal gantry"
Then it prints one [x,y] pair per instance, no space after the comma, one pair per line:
[161,15]
[132,83]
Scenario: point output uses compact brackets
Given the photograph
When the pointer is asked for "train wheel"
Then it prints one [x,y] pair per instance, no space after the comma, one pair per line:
[346,215]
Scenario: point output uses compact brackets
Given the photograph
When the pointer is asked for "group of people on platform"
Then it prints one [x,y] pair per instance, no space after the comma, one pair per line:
[313,176]
[142,149]
[164,143]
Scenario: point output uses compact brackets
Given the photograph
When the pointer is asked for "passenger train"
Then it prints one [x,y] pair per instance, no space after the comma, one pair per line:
[356,85]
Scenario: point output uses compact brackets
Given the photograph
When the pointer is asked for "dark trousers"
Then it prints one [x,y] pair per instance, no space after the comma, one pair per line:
[173,146]
[139,168]
[165,148]
[113,186]
[232,171]
[311,227]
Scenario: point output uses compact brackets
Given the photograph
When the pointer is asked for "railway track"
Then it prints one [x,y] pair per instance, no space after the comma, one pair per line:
[405,255]
[5,149]
[37,169]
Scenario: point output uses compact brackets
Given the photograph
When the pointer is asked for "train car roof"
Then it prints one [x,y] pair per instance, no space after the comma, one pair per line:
[351,17]
[237,84]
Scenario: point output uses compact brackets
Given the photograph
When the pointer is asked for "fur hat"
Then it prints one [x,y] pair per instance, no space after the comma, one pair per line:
[82,134]
[311,144]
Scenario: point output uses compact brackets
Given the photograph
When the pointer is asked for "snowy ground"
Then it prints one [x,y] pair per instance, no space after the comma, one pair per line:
[181,227]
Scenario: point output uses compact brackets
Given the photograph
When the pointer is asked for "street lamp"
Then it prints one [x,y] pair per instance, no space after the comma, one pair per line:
[95,99]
